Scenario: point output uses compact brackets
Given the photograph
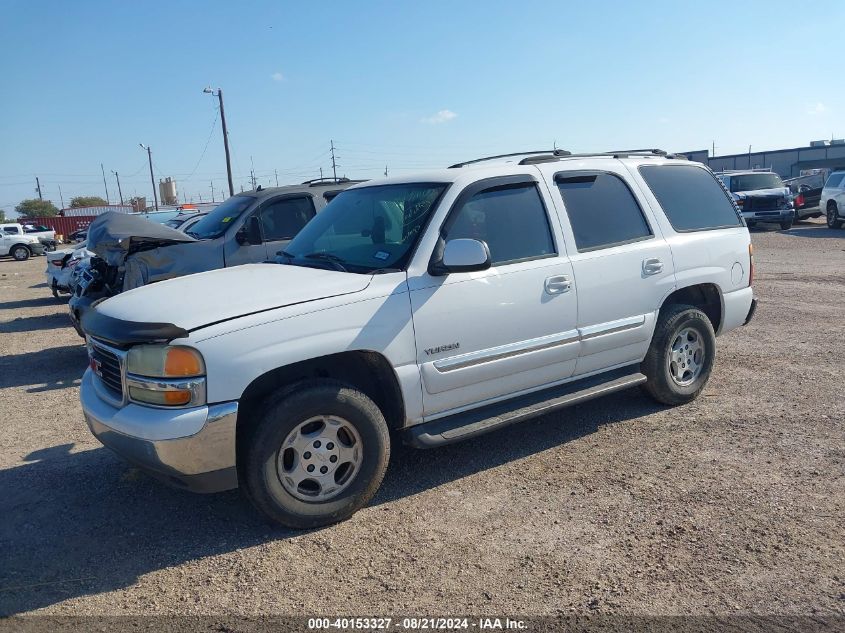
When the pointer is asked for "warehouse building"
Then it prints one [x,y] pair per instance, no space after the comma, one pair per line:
[788,163]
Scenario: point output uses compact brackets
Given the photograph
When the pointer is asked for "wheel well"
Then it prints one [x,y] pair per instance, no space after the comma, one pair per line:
[831,204]
[369,372]
[26,246]
[705,297]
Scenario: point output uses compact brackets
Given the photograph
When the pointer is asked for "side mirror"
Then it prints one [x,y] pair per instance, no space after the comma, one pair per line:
[462,255]
[250,232]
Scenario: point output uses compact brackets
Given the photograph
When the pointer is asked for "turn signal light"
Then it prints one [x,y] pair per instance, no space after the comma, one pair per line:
[182,362]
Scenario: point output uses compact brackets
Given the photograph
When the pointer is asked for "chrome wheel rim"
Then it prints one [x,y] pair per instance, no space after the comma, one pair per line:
[686,357]
[320,458]
[20,254]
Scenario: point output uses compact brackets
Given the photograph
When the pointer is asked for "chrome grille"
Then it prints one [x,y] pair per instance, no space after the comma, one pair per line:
[107,366]
[762,203]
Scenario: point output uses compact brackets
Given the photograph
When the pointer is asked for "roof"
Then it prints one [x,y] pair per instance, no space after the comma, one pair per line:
[317,186]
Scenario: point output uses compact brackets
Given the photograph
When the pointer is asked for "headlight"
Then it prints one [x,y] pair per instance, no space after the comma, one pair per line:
[166,375]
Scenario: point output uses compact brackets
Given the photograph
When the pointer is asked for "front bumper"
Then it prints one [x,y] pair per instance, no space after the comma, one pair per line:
[37,249]
[776,215]
[193,449]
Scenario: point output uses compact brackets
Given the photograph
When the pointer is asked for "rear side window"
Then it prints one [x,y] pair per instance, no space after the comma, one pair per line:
[834,181]
[282,219]
[691,197]
[602,210]
[511,220]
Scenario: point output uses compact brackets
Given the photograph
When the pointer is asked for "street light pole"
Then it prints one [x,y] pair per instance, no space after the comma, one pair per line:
[152,178]
[219,94]
[119,191]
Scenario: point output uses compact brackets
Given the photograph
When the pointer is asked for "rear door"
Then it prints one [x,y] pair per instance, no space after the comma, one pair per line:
[622,264]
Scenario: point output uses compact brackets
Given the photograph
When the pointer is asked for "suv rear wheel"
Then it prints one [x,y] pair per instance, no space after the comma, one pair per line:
[317,455]
[680,359]
[833,220]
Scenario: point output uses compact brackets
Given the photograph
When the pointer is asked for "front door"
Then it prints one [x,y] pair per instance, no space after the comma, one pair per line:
[484,335]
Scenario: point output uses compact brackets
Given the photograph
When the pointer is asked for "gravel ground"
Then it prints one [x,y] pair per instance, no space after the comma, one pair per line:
[730,505]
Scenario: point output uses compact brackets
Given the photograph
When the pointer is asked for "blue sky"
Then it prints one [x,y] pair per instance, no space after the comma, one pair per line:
[406,85]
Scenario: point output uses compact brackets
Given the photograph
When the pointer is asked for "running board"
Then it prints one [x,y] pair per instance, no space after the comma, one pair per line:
[462,426]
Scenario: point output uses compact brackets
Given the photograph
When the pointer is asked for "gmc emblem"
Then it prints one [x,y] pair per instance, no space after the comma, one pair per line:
[96,367]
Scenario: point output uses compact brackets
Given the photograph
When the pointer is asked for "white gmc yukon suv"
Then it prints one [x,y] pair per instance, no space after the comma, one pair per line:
[432,308]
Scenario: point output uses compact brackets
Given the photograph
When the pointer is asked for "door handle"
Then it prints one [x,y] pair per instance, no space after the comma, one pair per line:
[558,284]
[652,266]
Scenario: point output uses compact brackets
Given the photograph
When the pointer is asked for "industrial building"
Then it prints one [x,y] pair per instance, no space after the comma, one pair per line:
[167,191]
[787,163]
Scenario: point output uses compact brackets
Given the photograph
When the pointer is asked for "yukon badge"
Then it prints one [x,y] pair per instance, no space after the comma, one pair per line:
[431,351]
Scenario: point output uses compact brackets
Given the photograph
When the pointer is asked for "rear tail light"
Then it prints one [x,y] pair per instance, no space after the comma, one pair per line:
[751,265]
[799,200]
[740,202]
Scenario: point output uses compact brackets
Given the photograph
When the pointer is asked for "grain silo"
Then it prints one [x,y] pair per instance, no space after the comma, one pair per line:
[167,191]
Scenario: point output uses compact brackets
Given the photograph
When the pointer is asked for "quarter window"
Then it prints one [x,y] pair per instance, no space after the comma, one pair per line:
[602,210]
[690,196]
[511,220]
[834,181]
[283,219]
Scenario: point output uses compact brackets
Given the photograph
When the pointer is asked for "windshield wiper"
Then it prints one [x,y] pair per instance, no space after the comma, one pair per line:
[333,259]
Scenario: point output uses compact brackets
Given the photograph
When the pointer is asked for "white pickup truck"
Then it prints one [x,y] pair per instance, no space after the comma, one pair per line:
[433,308]
[17,243]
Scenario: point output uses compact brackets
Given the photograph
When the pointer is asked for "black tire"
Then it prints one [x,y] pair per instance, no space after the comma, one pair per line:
[55,289]
[786,224]
[750,224]
[833,221]
[20,253]
[280,415]
[656,366]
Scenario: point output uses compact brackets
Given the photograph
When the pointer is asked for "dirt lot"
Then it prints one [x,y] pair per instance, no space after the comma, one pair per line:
[733,504]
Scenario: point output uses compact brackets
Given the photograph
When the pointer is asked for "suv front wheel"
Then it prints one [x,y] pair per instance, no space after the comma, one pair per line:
[833,220]
[317,455]
[680,359]
[20,253]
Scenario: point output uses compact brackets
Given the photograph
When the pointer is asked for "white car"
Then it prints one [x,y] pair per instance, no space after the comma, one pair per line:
[18,244]
[833,199]
[438,307]
[60,267]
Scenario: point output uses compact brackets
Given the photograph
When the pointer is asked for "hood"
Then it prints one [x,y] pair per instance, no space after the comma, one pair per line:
[218,295]
[777,191]
[111,235]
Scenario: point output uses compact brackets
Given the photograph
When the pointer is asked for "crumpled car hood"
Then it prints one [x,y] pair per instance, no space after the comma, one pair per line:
[112,235]
[218,295]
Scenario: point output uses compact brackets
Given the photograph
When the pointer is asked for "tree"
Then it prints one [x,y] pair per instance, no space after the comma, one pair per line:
[87,201]
[35,208]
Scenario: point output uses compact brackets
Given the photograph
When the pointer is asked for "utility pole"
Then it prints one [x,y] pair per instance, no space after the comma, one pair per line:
[104,182]
[321,173]
[212,190]
[219,94]
[277,177]
[38,187]
[119,190]
[61,197]
[252,172]
[385,171]
[152,178]
[334,165]
[749,157]
[713,153]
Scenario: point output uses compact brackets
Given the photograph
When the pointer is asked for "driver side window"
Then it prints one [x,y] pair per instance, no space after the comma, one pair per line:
[511,220]
[283,219]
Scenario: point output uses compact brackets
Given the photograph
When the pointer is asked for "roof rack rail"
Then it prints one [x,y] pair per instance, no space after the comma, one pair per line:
[742,171]
[316,182]
[552,152]
[615,154]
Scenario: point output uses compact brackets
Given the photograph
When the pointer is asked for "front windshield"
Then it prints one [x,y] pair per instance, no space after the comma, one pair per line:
[754,182]
[217,221]
[366,229]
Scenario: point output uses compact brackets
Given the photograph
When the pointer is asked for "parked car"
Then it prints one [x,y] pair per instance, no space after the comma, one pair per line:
[18,244]
[185,220]
[61,265]
[78,236]
[590,274]
[248,227]
[760,195]
[832,199]
[45,234]
[806,193]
